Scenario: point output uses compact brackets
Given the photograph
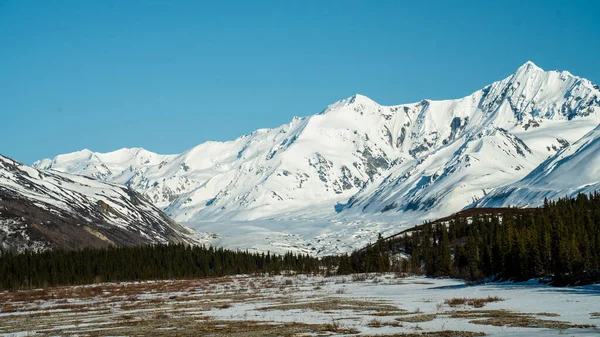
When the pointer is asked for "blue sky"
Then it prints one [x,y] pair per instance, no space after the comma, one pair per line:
[168,75]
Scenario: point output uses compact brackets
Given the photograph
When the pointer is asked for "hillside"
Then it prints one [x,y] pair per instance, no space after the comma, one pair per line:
[42,210]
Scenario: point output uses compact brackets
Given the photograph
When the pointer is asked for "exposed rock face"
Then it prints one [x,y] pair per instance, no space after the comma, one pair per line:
[42,210]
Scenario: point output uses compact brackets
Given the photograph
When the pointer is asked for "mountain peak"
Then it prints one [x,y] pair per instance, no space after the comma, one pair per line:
[354,99]
[528,67]
[360,99]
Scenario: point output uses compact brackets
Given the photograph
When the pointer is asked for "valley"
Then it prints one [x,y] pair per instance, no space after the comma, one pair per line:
[300,168]
[303,305]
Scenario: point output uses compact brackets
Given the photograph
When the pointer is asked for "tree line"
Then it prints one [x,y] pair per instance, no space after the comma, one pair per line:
[150,262]
[560,240]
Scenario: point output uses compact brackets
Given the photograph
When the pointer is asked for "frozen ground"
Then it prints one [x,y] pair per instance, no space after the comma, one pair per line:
[366,305]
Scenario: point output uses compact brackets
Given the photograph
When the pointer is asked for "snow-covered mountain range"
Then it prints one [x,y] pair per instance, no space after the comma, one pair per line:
[331,181]
[575,169]
[41,209]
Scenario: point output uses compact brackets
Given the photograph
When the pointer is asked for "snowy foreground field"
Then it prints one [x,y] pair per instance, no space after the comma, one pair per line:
[367,305]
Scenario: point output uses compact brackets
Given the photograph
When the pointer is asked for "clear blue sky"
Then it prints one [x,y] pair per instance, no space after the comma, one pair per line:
[168,75]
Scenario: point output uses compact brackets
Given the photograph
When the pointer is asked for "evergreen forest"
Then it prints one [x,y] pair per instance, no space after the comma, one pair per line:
[559,241]
[150,262]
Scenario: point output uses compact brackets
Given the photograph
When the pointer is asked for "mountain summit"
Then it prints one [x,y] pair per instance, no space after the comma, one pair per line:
[358,158]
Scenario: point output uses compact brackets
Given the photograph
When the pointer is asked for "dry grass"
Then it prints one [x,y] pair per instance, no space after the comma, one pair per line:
[391,313]
[547,314]
[417,318]
[442,333]
[336,327]
[514,319]
[131,304]
[184,327]
[330,304]
[473,302]
[27,295]
[8,307]
[164,323]
[375,323]
[185,307]
[159,315]
[224,306]
[393,323]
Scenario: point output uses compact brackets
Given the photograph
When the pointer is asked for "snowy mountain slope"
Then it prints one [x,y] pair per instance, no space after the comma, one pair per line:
[505,130]
[327,157]
[360,162]
[408,154]
[41,209]
[575,169]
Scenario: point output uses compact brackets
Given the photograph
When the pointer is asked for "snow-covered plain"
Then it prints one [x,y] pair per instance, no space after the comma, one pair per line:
[318,236]
[302,305]
[359,162]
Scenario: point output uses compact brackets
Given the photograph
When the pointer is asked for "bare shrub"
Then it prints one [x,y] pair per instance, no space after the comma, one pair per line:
[224,306]
[375,323]
[336,327]
[341,291]
[359,277]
